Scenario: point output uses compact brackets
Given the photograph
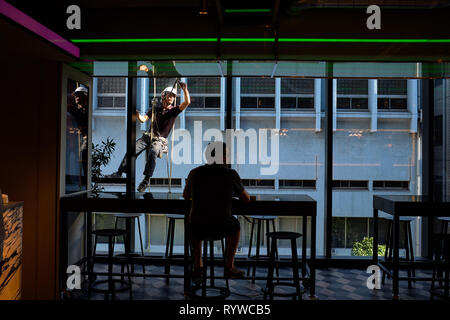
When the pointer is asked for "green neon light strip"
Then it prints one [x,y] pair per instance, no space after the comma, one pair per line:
[366,40]
[245,10]
[316,40]
[247,40]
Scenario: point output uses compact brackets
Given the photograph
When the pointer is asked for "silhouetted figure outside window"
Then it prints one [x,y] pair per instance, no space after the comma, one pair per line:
[165,116]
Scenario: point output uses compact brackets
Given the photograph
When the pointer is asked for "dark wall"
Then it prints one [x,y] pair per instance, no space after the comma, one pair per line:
[29,165]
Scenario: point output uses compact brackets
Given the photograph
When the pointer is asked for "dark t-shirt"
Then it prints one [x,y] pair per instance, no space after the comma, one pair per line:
[81,116]
[212,188]
[164,120]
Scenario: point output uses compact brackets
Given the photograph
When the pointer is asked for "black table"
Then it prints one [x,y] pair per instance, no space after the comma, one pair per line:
[157,202]
[397,206]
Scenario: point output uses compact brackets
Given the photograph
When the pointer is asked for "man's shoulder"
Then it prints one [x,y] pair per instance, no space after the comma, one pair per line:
[233,172]
[175,110]
[195,170]
[209,168]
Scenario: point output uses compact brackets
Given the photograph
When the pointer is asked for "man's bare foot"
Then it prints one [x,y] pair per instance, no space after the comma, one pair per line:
[234,273]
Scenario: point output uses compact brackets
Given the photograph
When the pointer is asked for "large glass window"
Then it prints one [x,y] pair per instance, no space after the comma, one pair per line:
[370,159]
[373,152]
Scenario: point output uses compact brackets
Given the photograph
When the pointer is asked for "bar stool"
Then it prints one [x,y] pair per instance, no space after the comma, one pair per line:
[409,252]
[221,292]
[111,234]
[441,262]
[128,217]
[169,243]
[260,221]
[444,224]
[269,290]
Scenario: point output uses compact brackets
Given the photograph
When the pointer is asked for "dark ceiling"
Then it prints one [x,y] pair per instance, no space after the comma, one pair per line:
[106,19]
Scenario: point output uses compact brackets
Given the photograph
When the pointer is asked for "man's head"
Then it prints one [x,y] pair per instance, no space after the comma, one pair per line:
[168,96]
[80,95]
[216,152]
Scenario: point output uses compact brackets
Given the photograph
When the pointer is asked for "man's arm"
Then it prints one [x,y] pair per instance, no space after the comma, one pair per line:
[142,118]
[186,193]
[238,187]
[244,196]
[187,188]
[187,98]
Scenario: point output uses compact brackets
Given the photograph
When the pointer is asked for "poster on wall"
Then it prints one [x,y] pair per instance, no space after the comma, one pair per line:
[11,250]
[77,136]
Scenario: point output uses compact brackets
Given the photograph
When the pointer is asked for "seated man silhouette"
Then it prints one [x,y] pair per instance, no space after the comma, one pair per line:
[211,188]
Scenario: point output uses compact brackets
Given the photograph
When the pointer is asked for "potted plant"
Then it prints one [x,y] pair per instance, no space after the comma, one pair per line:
[365,247]
[101,155]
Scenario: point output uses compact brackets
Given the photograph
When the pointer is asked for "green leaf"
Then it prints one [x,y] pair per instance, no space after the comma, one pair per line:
[365,248]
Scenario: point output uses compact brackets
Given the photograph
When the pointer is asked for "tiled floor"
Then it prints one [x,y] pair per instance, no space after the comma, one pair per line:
[331,284]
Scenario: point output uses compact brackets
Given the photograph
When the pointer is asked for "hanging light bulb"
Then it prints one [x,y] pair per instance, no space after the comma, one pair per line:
[143,67]
[204,9]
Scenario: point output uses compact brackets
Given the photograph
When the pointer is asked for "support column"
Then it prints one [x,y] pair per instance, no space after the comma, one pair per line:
[237,101]
[427,93]
[318,103]
[94,99]
[413,103]
[334,102]
[183,114]
[330,120]
[145,82]
[222,102]
[277,103]
[131,134]
[373,104]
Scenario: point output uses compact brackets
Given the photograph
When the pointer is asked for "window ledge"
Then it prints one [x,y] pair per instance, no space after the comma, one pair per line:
[257,113]
[298,113]
[395,115]
[350,189]
[353,114]
[202,112]
[104,112]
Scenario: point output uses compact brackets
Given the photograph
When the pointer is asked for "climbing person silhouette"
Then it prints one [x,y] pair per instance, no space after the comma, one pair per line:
[155,139]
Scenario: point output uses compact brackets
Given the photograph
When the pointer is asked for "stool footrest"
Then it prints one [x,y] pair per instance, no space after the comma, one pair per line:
[280,294]
[125,286]
[222,292]
[264,257]
[436,292]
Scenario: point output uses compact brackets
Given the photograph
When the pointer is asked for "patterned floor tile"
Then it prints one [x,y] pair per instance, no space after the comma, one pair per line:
[331,284]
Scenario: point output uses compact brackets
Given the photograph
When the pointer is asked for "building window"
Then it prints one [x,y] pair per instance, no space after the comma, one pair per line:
[351,184]
[111,93]
[352,94]
[257,102]
[388,103]
[297,93]
[392,95]
[259,183]
[161,84]
[204,92]
[163,182]
[257,93]
[346,231]
[297,184]
[392,87]
[351,86]
[391,185]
